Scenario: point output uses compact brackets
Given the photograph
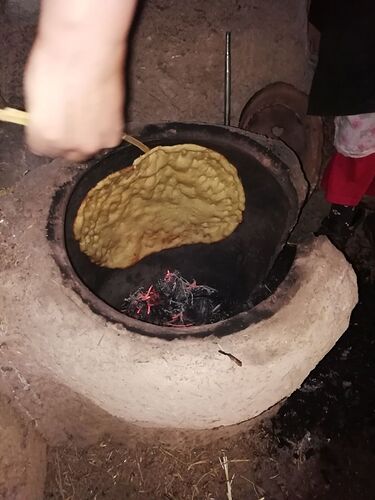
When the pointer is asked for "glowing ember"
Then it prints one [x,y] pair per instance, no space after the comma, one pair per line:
[174,301]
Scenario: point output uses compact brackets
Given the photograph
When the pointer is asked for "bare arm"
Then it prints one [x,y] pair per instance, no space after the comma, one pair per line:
[74,80]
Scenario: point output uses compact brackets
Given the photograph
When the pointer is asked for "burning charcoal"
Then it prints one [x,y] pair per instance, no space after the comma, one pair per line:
[174,301]
[202,310]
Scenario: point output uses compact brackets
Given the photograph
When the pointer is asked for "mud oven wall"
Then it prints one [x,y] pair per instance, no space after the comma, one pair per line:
[182,383]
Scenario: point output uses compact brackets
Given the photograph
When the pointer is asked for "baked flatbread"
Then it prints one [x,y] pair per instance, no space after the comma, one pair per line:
[170,196]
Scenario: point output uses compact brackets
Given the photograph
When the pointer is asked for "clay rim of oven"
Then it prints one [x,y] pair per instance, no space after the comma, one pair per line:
[56,237]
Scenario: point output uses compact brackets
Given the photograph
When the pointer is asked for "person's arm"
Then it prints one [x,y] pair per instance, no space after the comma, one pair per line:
[74,79]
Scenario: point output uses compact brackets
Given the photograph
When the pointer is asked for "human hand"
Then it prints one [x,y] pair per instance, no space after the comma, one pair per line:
[74,95]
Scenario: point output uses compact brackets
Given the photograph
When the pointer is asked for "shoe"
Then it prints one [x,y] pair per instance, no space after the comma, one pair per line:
[340,224]
[369,229]
[337,234]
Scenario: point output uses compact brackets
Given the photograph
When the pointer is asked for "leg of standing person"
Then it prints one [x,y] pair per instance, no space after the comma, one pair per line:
[350,173]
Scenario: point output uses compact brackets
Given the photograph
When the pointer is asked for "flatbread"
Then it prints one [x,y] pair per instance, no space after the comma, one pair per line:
[170,196]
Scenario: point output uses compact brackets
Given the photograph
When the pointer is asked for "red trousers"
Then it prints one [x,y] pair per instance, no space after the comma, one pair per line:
[346,180]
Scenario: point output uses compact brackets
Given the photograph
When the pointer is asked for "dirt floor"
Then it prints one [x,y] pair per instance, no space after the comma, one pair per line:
[320,443]
[22,456]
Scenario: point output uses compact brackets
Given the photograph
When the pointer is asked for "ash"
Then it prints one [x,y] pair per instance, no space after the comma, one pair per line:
[174,301]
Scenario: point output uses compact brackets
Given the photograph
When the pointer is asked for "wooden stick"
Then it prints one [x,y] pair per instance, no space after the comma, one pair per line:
[136,142]
[19,117]
[12,115]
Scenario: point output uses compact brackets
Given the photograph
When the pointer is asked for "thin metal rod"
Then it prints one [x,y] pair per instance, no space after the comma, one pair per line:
[227,84]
